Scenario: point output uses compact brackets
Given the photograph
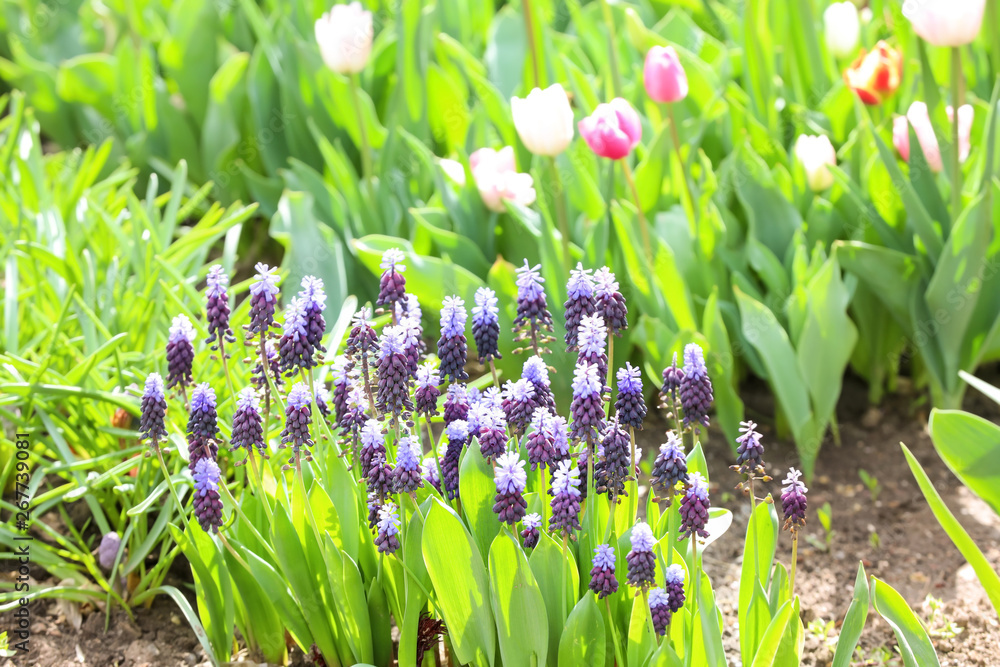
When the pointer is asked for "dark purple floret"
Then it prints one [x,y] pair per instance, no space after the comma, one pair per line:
[486,325]
[610,302]
[342,386]
[248,431]
[108,550]
[674,580]
[672,376]
[387,539]
[355,415]
[669,468]
[602,575]
[458,435]
[394,378]
[581,465]
[180,352]
[696,387]
[588,403]
[431,476]
[313,303]
[629,406]
[152,424]
[298,417]
[519,404]
[323,398]
[540,441]
[537,373]
[263,299]
[425,396]
[750,451]
[257,376]
[509,503]
[407,476]
[565,498]
[641,560]
[492,434]
[295,352]
[207,503]
[531,302]
[579,302]
[379,478]
[611,470]
[373,508]
[793,500]
[659,609]
[413,345]
[362,341]
[530,534]
[694,507]
[452,347]
[592,341]
[372,446]
[456,403]
[392,284]
[217,308]
[202,426]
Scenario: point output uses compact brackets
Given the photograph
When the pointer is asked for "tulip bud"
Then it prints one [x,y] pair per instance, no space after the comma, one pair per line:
[497,179]
[544,120]
[842,27]
[919,117]
[453,170]
[815,154]
[945,22]
[875,76]
[664,76]
[613,130]
[344,35]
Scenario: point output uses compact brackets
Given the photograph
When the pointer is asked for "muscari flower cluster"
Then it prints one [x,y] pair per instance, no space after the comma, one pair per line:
[180,353]
[565,499]
[533,320]
[452,347]
[486,325]
[511,479]
[793,501]
[217,308]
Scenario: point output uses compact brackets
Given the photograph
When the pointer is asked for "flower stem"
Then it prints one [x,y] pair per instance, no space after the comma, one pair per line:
[633,498]
[243,517]
[591,493]
[689,205]
[170,482]
[257,475]
[643,225]
[616,75]
[565,565]
[614,634]
[529,28]
[649,616]
[957,97]
[496,378]
[993,20]
[795,561]
[366,149]
[543,492]
[562,217]
[695,594]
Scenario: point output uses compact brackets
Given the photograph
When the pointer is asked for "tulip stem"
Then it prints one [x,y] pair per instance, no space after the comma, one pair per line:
[994,22]
[643,225]
[616,75]
[529,27]
[691,208]
[366,149]
[957,97]
[562,217]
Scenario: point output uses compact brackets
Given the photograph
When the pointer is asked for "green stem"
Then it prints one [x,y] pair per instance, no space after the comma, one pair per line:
[562,217]
[543,485]
[795,561]
[616,75]
[633,497]
[643,225]
[649,617]
[366,149]
[695,594]
[689,204]
[591,494]
[614,635]
[170,482]
[496,378]
[243,517]
[257,475]
[993,20]
[239,559]
[529,27]
[611,367]
[957,97]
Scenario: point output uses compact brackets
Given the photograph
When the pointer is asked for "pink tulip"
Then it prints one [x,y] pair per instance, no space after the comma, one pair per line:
[613,130]
[965,116]
[498,180]
[919,118]
[664,75]
[946,22]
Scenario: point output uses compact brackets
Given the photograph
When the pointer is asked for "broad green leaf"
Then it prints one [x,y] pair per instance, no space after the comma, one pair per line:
[558,579]
[264,627]
[970,446]
[758,555]
[771,639]
[477,489]
[640,640]
[518,606]
[583,640]
[792,641]
[854,621]
[914,643]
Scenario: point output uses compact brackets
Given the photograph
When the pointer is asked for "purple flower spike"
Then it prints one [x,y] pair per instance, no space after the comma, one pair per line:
[295,352]
[217,307]
[629,406]
[641,561]
[392,284]
[372,445]
[588,402]
[414,343]
[694,507]
[560,437]
[298,417]
[602,575]
[793,500]
[263,299]
[531,304]
[180,352]
[373,508]
[610,302]
[674,579]
[394,379]
[152,426]
[248,431]
[750,451]
[387,539]
[510,477]
[492,433]
[592,341]
[408,475]
[431,472]
[492,397]
[207,503]
[540,442]
[313,300]
[670,467]
[611,471]
[108,549]
[659,609]
[425,396]
[202,426]
[696,387]
[580,302]
[458,435]
[531,522]
[456,404]
[486,325]
[452,347]
[380,477]
[565,498]
[355,415]
[362,341]
[519,404]
[257,374]
[672,376]
[537,373]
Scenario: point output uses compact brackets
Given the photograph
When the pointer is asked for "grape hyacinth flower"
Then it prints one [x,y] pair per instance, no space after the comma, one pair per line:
[392,284]
[295,352]
[560,438]
[629,406]
[180,352]
[202,426]
[602,575]
[674,583]
[565,498]
[537,373]
[519,404]
[373,508]
[217,308]
[672,376]
[486,325]
[362,342]
[322,396]
[263,299]
[425,396]
[429,466]
[107,551]
[312,300]
[583,460]
[380,477]
[610,302]
[355,414]
[750,450]
[413,345]
[588,402]
[695,387]
[611,471]
[456,403]
[458,434]
[152,426]
[670,467]
[694,507]
[493,397]
[540,442]
[492,433]
[511,479]
[387,539]
[793,500]
[531,522]
[372,445]
[207,503]
[248,431]
[659,609]
[258,375]
[298,417]
[592,341]
[579,302]
[641,561]
[476,415]
[393,393]
[407,476]
[452,347]
[533,314]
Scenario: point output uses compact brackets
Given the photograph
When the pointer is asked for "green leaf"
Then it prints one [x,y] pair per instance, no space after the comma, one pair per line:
[970,446]
[854,621]
[758,555]
[640,641]
[914,643]
[518,606]
[477,489]
[583,637]
[559,580]
[264,627]
[278,592]
[771,639]
[878,267]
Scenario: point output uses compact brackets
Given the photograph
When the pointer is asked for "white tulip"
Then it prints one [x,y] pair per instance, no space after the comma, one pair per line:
[453,170]
[816,154]
[544,120]
[344,35]
[843,28]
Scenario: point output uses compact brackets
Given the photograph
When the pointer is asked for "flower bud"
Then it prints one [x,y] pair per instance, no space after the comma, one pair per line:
[875,76]
[945,22]
[613,130]
[664,76]
[344,35]
[842,28]
[816,154]
[544,120]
